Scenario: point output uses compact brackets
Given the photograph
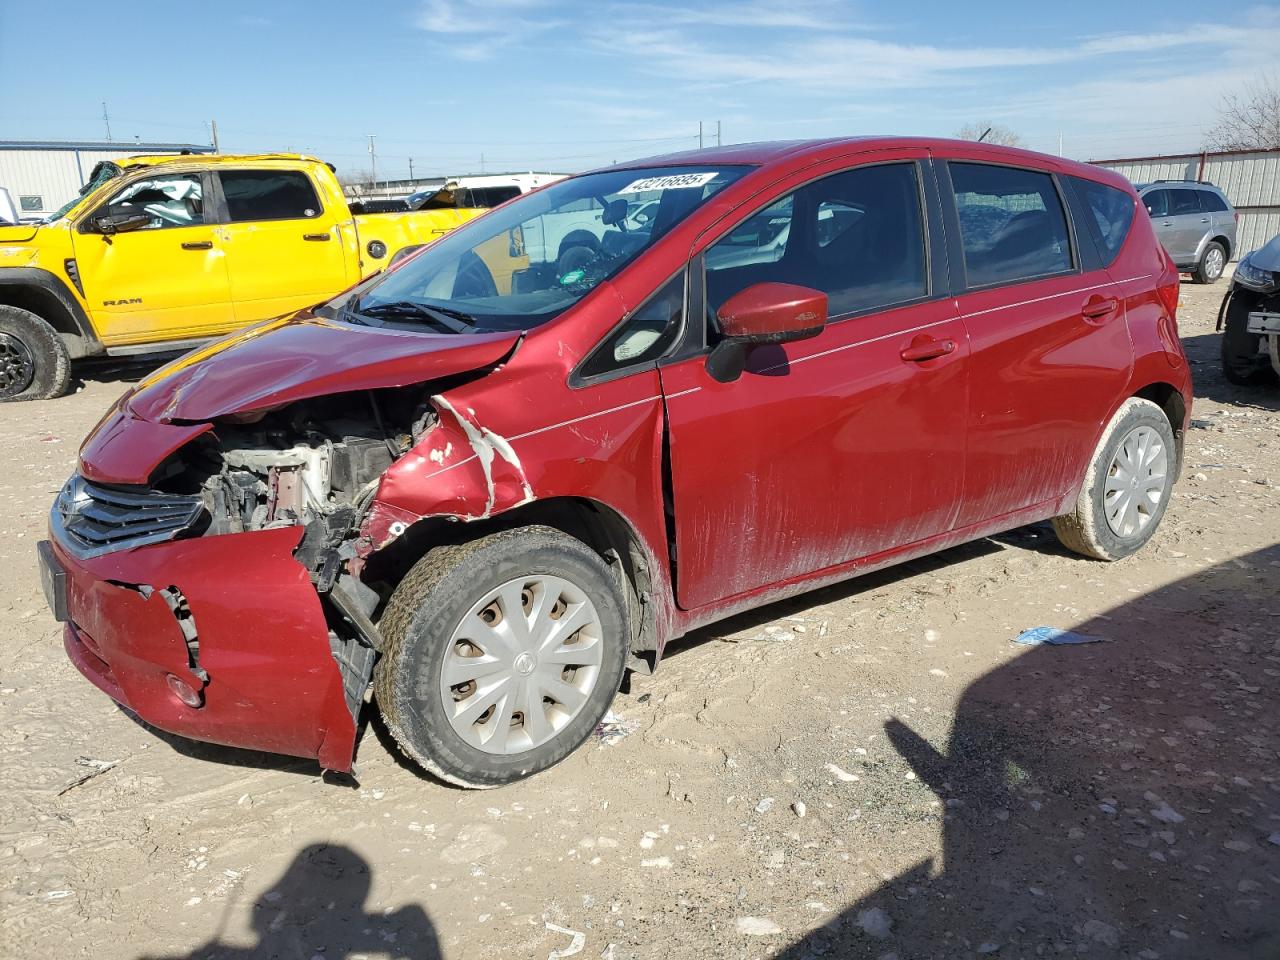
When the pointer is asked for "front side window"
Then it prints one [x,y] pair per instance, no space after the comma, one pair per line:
[1112,211]
[1183,203]
[858,236]
[1012,224]
[529,261]
[175,200]
[1157,203]
[268,195]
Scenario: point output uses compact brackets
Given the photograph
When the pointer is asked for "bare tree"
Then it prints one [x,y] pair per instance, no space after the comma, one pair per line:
[998,134]
[355,182]
[1250,119]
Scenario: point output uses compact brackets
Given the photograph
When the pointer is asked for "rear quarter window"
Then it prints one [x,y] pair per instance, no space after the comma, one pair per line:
[1112,211]
[1210,202]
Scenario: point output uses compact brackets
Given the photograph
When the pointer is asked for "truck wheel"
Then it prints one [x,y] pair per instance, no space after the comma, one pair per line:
[501,655]
[1212,262]
[1242,361]
[1126,487]
[34,364]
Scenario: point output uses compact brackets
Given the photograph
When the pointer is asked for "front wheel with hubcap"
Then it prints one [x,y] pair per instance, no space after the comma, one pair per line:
[1126,487]
[501,655]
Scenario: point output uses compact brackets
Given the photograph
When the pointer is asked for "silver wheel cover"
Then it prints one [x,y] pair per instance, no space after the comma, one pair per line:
[1137,482]
[1214,261]
[521,664]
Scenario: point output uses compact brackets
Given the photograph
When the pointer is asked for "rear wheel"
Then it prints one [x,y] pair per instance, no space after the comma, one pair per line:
[34,364]
[1126,487]
[1212,262]
[501,655]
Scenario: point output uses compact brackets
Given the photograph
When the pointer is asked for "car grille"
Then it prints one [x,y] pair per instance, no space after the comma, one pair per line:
[90,519]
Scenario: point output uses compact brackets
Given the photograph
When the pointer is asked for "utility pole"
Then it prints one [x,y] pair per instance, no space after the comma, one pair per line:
[213,134]
[482,163]
[717,133]
[411,168]
[105,119]
[699,134]
[1059,143]
[373,163]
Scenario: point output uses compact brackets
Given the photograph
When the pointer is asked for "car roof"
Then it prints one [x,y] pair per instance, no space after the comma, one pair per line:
[207,159]
[796,153]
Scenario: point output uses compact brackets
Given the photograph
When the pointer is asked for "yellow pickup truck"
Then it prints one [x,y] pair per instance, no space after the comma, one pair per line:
[159,254]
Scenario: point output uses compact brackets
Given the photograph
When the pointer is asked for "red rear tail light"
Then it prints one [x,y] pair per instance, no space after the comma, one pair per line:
[1169,289]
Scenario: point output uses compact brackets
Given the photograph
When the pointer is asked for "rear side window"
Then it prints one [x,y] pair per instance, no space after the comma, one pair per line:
[268,195]
[1210,202]
[1012,225]
[1183,202]
[1112,211]
[858,236]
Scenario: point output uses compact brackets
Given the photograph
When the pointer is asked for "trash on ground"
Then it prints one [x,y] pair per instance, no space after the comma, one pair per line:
[575,945]
[1038,636]
[96,768]
[613,728]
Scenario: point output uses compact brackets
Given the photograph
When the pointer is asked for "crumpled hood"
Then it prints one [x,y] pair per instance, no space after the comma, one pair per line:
[300,356]
[1267,257]
[18,234]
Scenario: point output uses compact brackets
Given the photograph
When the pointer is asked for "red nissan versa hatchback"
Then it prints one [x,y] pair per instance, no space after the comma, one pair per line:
[492,479]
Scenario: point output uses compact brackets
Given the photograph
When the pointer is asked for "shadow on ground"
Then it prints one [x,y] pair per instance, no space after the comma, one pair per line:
[1206,368]
[1118,799]
[317,908]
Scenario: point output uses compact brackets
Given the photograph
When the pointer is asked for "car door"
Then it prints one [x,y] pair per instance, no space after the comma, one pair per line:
[833,448]
[1157,204]
[1190,224]
[284,250]
[1050,351]
[166,280]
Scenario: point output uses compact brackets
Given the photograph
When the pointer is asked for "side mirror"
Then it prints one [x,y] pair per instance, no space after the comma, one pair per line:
[120,222]
[764,313]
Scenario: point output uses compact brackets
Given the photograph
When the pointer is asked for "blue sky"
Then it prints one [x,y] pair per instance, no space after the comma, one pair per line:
[566,86]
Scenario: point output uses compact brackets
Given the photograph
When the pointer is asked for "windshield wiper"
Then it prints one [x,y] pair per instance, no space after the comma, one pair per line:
[449,320]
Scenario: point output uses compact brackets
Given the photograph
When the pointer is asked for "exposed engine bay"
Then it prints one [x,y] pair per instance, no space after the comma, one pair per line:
[315,464]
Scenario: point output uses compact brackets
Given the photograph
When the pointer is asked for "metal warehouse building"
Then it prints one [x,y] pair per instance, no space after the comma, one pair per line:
[1249,178]
[42,175]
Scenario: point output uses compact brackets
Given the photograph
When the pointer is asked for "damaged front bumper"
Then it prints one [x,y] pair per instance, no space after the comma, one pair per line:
[222,639]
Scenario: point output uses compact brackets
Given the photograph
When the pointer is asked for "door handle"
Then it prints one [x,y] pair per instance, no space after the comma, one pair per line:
[929,350]
[198,245]
[1166,223]
[315,236]
[1099,308]
[1204,219]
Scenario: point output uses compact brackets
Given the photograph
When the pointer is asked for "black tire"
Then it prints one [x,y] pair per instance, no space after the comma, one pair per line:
[1242,361]
[421,616]
[1085,530]
[1209,269]
[34,364]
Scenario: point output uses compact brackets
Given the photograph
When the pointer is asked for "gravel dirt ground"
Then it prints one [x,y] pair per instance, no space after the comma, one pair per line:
[872,770]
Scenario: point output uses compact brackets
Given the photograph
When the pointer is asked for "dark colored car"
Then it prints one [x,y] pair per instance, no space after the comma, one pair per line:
[491,480]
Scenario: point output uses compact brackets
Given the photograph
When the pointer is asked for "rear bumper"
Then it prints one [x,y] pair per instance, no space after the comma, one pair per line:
[262,642]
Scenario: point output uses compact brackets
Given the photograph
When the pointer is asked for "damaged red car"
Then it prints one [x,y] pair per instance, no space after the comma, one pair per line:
[486,483]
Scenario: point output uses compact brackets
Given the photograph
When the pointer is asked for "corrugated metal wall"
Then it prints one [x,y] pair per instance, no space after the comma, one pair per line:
[50,176]
[1251,181]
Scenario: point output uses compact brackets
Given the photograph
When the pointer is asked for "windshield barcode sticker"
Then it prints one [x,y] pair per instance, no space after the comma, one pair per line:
[676,181]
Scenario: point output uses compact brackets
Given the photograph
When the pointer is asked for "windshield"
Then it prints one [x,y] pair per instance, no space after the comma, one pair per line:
[524,264]
[104,171]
